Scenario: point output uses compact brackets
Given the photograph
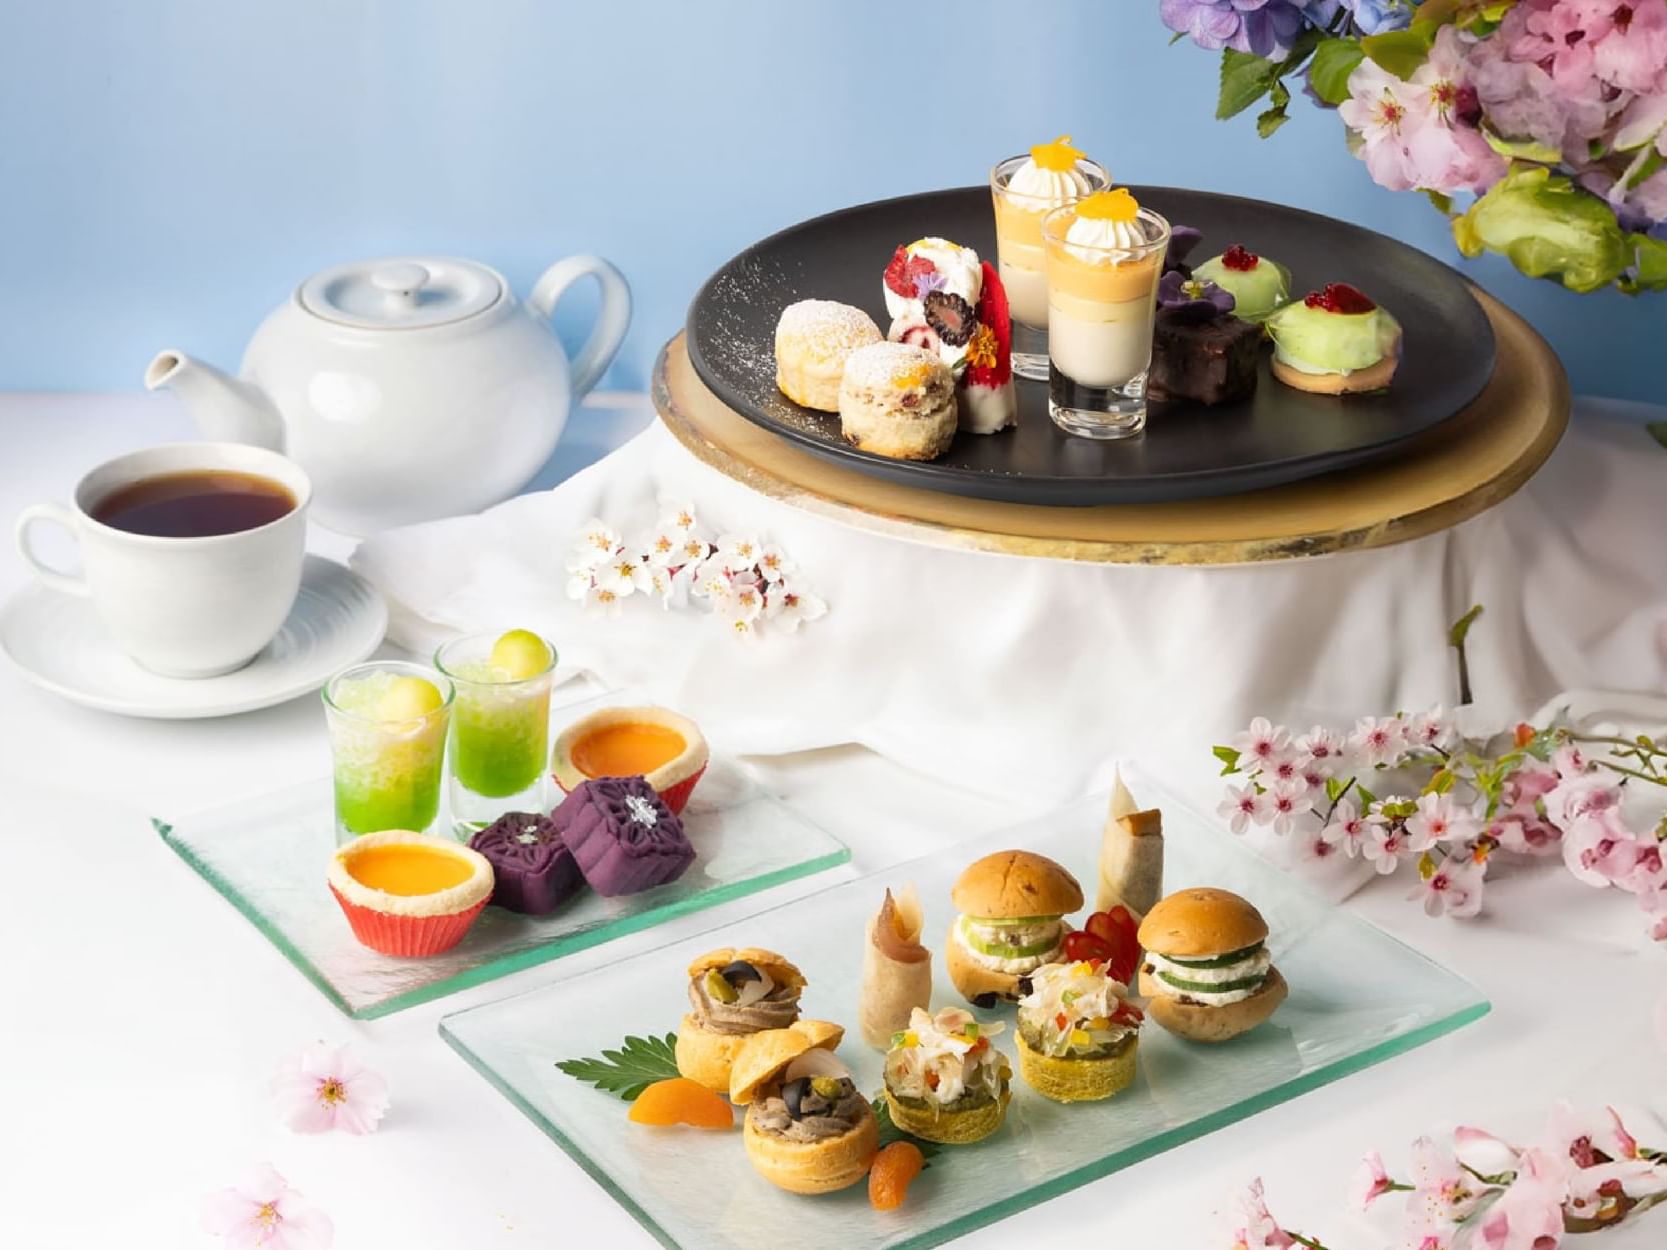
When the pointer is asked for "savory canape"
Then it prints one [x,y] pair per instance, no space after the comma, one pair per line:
[808,1128]
[1206,972]
[945,1081]
[896,969]
[1078,1032]
[1131,855]
[732,995]
[1012,906]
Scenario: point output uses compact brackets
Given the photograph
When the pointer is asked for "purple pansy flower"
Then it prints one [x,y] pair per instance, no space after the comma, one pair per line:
[1189,299]
[1260,27]
[1182,239]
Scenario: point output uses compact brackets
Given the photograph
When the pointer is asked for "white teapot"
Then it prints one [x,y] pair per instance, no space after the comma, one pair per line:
[408,388]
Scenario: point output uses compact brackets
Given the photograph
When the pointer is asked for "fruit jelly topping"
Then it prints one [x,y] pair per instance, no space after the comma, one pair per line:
[1058,157]
[1340,297]
[1240,258]
[1118,204]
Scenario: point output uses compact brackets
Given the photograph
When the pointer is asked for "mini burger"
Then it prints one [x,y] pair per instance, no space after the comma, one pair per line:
[1206,969]
[808,1128]
[1012,907]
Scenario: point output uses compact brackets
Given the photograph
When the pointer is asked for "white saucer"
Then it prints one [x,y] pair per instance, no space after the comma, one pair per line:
[59,644]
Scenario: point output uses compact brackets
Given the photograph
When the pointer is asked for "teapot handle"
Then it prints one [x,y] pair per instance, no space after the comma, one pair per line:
[611,321]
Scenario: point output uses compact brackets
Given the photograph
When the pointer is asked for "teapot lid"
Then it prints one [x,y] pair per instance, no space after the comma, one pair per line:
[401,293]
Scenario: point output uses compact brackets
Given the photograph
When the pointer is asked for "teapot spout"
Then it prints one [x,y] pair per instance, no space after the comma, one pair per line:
[226,409]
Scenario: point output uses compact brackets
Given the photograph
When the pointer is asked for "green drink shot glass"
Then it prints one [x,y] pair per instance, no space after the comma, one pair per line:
[500,728]
[387,723]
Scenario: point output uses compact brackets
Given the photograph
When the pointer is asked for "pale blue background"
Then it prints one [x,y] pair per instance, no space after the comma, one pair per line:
[169,170]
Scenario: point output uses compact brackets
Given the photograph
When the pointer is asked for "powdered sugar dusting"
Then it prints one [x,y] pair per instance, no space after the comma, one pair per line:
[882,364]
[826,328]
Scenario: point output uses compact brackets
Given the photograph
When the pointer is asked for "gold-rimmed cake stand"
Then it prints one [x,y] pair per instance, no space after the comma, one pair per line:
[1462,467]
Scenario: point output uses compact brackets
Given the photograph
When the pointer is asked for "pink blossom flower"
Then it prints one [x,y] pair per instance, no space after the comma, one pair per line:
[1588,794]
[1529,1214]
[1385,843]
[1483,1153]
[1370,1182]
[1432,730]
[1633,55]
[1569,760]
[1524,836]
[1598,849]
[1532,781]
[1440,819]
[1288,800]
[1348,828]
[1243,807]
[1317,848]
[1290,768]
[1255,1228]
[1385,112]
[263,1213]
[1453,886]
[1449,154]
[1378,741]
[1443,1193]
[1560,37]
[1262,745]
[1324,747]
[325,1087]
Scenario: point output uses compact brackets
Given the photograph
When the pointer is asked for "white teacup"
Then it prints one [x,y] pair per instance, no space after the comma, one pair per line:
[182,607]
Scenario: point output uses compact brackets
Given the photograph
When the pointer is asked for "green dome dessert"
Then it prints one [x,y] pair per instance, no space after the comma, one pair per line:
[1334,342]
[1258,285]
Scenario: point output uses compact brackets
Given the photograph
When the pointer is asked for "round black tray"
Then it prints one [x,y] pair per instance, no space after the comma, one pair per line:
[1187,451]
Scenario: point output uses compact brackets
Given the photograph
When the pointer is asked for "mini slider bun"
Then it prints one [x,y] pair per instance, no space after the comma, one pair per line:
[817,1167]
[1358,382]
[1202,923]
[1004,886]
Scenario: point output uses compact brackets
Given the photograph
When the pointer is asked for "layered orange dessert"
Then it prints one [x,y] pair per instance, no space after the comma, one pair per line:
[1104,259]
[1026,189]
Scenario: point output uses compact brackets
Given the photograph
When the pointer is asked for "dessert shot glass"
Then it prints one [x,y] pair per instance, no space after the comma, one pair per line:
[1019,258]
[1102,301]
[388,740]
[500,734]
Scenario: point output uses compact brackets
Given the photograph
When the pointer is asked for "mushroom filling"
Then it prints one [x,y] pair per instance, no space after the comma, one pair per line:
[810,1109]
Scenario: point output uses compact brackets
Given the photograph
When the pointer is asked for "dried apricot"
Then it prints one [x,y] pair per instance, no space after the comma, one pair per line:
[681,1101]
[894,1168]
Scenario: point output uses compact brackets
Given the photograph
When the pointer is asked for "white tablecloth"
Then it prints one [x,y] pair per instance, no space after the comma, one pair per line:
[140,1017]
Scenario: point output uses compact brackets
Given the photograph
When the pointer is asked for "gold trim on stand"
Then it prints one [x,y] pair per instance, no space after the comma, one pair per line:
[1460,468]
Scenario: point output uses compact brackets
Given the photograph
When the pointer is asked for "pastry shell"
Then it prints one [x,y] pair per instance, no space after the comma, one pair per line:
[818,1167]
[475,889]
[673,780]
[1076,1080]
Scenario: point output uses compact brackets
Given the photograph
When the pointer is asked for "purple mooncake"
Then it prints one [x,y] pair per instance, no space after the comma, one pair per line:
[534,871]
[623,837]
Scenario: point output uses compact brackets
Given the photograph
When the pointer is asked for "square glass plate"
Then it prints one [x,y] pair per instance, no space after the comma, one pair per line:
[1358,997]
[268,857]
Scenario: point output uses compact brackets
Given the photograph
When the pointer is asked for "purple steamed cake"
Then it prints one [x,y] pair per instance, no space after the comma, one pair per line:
[623,837]
[534,871]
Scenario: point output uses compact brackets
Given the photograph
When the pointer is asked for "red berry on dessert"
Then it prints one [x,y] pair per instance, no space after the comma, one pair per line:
[1239,259]
[1340,297]
[988,401]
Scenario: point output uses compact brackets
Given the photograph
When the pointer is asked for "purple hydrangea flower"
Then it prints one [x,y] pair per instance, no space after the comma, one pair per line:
[1376,16]
[1188,299]
[1260,27]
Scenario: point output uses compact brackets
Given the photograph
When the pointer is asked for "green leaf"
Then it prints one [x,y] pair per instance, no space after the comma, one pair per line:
[1649,264]
[1334,61]
[1441,782]
[161,826]
[1229,758]
[1245,79]
[1443,203]
[637,1064]
[1177,37]
[1522,150]
[1271,120]
[1658,431]
[1367,798]
[1461,627]
[1400,52]
[1334,788]
[889,1132]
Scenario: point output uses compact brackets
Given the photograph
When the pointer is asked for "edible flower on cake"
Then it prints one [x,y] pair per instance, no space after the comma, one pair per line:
[932,289]
[1258,285]
[1336,332]
[1201,351]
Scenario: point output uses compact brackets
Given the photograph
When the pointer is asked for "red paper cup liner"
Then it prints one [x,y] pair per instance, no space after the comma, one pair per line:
[410,937]
[677,797]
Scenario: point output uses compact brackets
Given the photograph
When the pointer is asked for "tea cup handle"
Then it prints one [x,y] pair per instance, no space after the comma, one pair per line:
[67,583]
[611,321]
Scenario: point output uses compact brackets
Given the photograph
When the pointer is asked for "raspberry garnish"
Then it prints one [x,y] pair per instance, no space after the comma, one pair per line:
[1339,297]
[904,269]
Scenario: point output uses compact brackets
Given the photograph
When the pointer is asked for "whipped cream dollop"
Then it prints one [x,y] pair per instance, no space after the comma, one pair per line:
[1094,237]
[1049,188]
[955,269]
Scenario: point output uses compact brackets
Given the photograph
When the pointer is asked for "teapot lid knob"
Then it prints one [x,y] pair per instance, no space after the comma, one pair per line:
[401,281]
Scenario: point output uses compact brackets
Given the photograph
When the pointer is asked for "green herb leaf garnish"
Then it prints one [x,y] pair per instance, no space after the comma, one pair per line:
[637,1064]
[889,1132]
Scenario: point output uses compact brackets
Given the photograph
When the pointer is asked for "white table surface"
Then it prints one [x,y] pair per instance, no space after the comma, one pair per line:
[140,1017]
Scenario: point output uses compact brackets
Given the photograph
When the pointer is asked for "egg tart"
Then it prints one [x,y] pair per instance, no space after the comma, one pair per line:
[654,743]
[407,893]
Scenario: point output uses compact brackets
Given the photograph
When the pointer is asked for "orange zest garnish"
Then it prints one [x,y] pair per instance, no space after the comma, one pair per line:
[1058,157]
[1118,204]
[681,1101]
[915,375]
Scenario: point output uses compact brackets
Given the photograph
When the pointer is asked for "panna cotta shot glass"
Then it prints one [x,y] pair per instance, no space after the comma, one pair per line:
[1104,258]
[1025,189]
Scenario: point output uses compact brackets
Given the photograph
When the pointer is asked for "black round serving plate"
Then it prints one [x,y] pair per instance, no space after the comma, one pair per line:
[1187,451]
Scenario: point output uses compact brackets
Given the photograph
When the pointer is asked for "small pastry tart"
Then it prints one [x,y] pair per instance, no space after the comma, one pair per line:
[733,994]
[654,743]
[1335,342]
[813,339]
[808,1129]
[1078,1033]
[409,894]
[944,1079]
[897,400]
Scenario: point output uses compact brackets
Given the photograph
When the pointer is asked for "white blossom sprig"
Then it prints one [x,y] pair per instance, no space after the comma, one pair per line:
[749,584]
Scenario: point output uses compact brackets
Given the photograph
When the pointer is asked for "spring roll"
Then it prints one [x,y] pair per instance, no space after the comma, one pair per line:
[1131,855]
[896,969]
